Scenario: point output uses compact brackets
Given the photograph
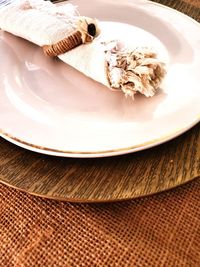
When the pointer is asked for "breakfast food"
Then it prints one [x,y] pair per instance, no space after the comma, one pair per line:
[62,32]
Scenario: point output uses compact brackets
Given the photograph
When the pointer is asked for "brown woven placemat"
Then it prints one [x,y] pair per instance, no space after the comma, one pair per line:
[156,231]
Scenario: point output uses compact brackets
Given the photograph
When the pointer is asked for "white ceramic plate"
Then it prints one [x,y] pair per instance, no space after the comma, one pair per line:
[48,107]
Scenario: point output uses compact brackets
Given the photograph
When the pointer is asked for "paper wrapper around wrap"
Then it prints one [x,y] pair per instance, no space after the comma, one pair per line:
[44,23]
[90,60]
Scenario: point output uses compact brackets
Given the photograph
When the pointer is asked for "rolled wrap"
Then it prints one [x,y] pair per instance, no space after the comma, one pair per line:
[43,23]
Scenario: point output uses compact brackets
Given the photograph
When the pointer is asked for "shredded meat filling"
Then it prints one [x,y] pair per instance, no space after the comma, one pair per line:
[136,71]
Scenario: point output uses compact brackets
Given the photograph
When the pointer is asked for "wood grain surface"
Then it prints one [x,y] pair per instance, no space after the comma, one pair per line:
[106,179]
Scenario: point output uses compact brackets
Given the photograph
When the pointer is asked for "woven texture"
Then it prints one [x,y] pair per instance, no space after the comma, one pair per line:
[72,41]
[158,231]
[162,230]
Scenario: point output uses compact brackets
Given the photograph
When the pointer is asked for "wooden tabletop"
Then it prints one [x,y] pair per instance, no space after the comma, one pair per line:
[106,179]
